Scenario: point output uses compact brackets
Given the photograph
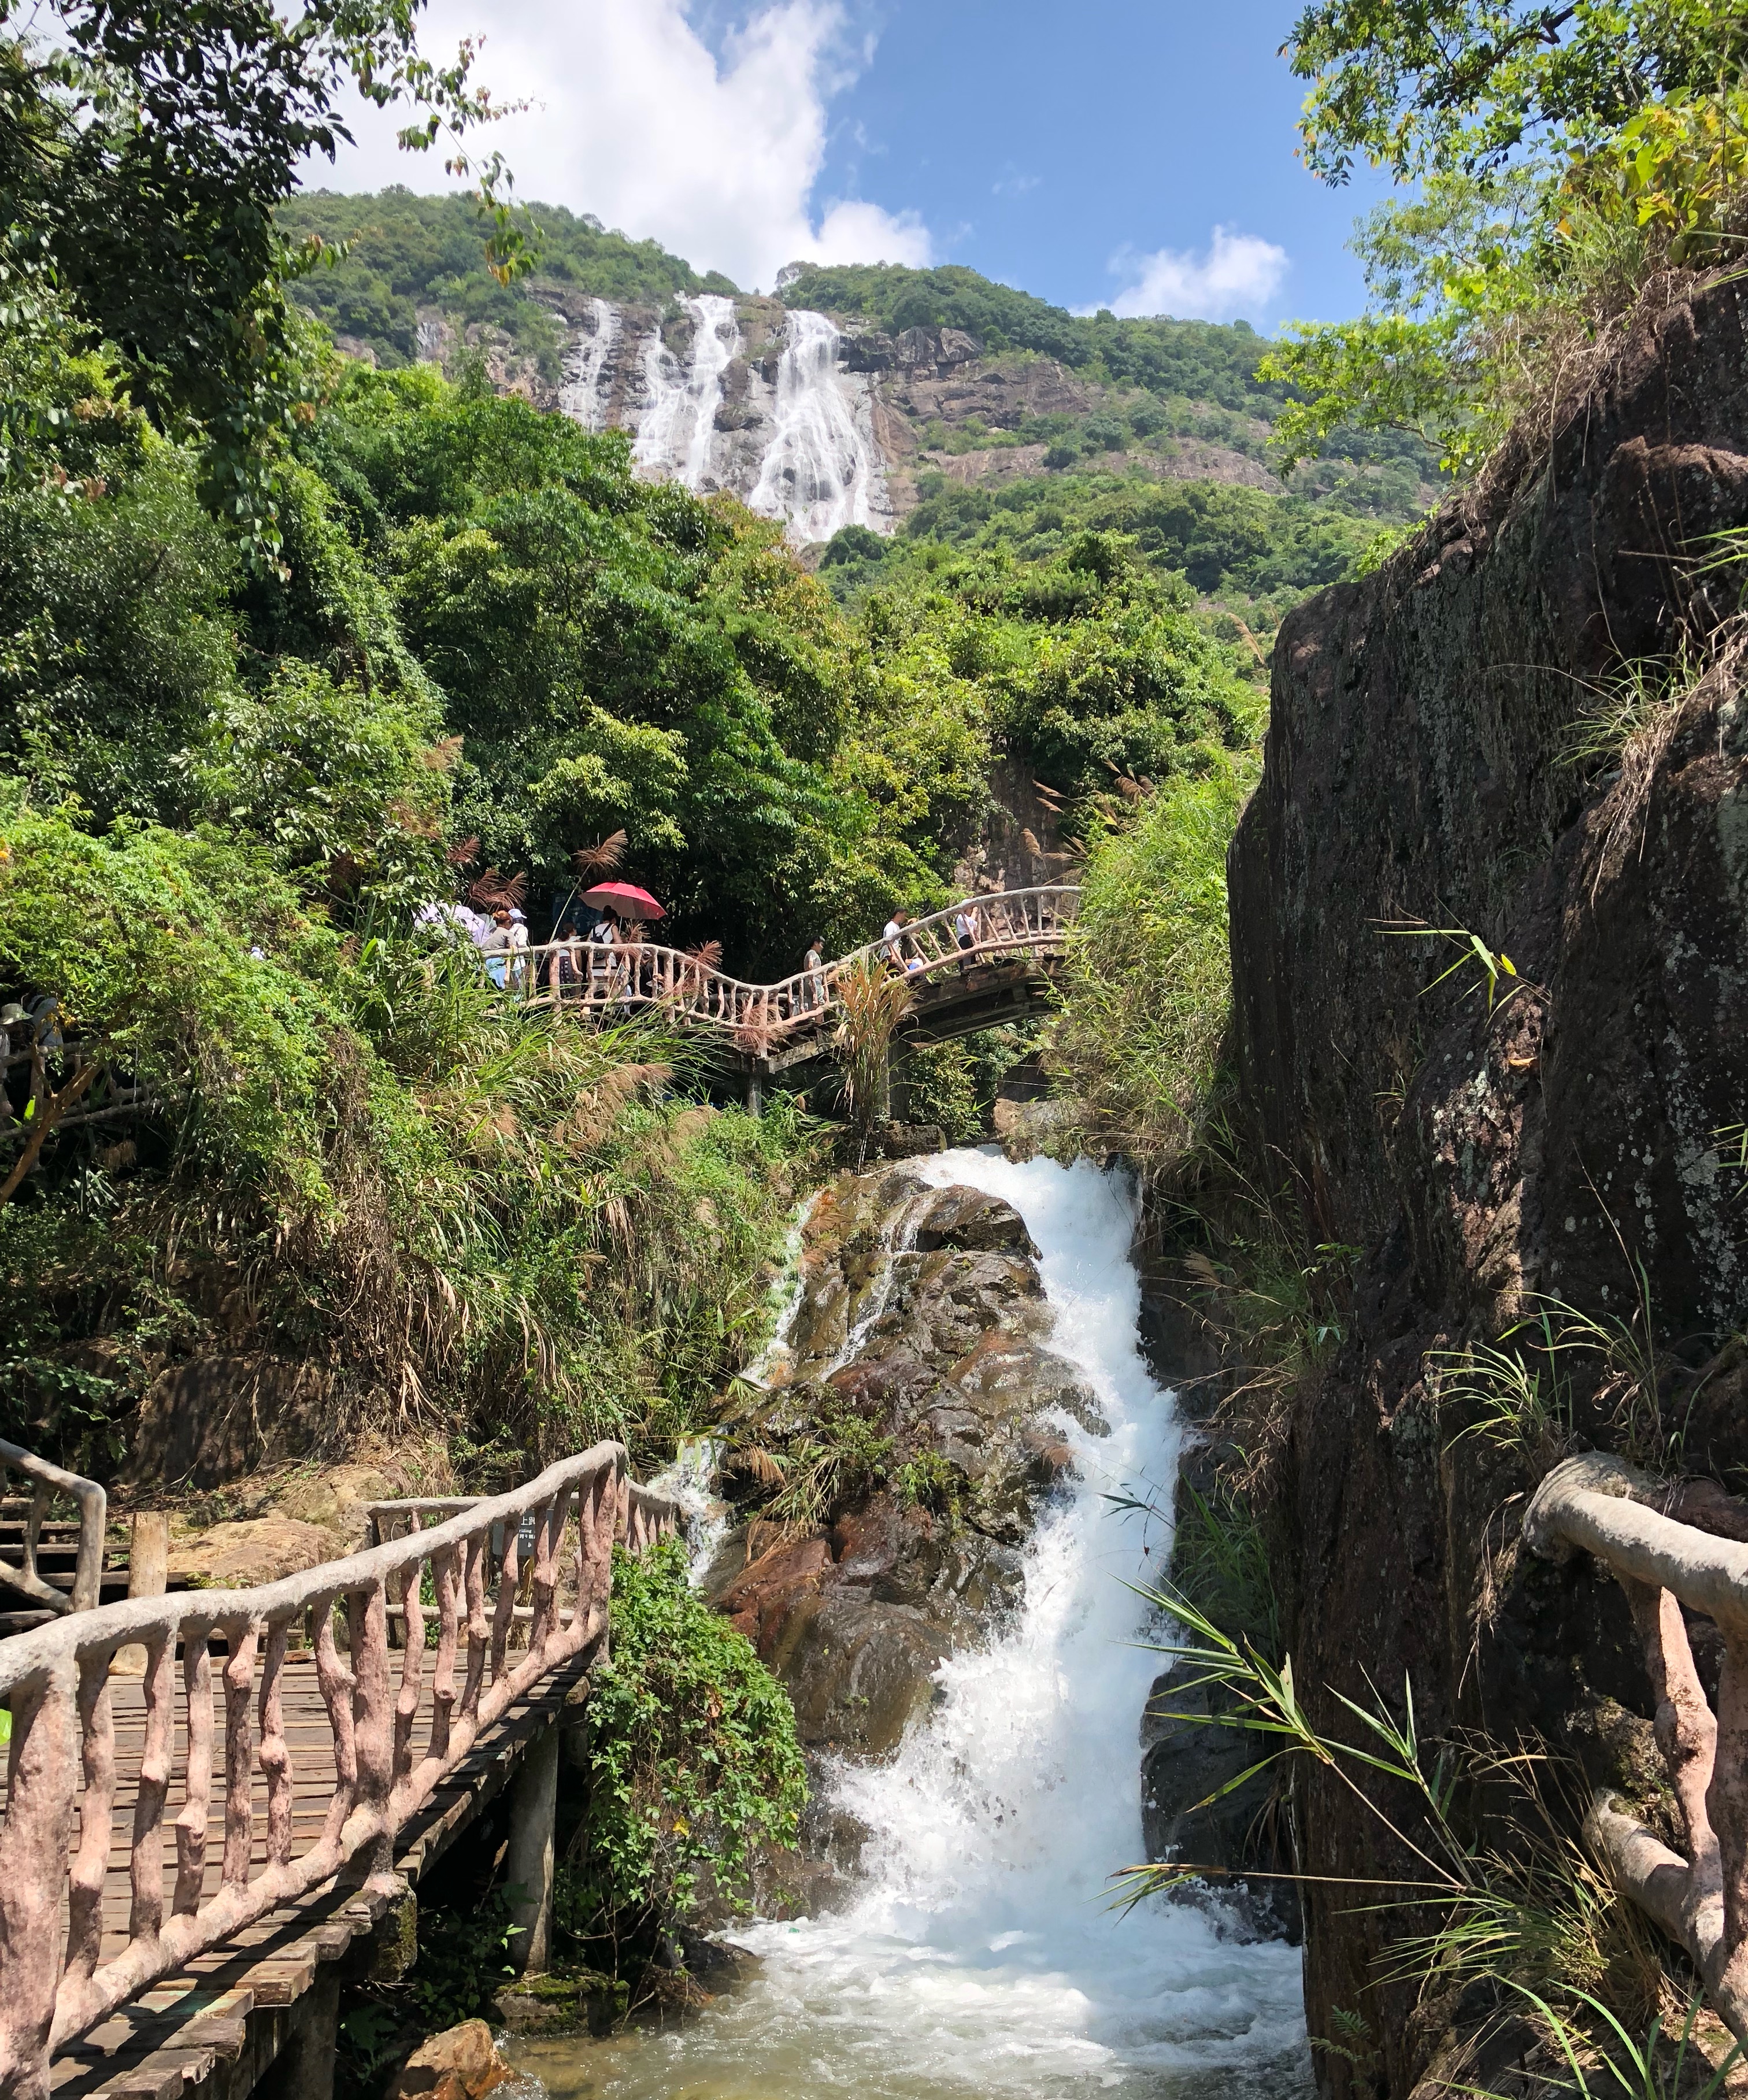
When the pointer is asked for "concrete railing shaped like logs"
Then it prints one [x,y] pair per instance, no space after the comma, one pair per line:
[1662,1541]
[48,1482]
[56,1682]
[1011,923]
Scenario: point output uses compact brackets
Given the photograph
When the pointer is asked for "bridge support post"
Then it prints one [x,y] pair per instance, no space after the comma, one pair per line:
[528,1866]
[755,1091]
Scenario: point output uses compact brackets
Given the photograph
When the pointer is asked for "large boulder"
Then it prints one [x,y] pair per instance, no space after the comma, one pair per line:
[241,1555]
[460,2063]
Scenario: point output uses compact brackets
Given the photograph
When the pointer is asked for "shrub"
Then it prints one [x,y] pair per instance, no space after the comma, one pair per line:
[693,1761]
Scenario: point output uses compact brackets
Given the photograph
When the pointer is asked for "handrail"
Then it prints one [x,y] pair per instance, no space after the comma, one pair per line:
[693,994]
[88,1569]
[56,1680]
[1603,1506]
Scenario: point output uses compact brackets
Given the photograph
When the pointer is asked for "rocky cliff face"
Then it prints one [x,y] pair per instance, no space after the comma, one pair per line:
[1570,1143]
[820,422]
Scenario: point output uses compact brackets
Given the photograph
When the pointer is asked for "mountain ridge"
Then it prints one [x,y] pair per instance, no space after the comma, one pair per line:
[960,409]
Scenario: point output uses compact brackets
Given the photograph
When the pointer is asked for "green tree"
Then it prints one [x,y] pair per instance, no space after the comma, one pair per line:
[149,145]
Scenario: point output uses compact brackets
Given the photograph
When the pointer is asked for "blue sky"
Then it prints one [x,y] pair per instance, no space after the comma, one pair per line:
[1040,142]
[1104,152]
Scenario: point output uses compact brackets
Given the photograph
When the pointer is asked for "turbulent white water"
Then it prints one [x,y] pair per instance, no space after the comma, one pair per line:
[675,430]
[821,470]
[584,396]
[982,1959]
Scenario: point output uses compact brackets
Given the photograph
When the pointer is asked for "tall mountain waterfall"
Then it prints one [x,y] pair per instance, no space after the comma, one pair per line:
[676,431]
[776,421]
[584,396]
[822,464]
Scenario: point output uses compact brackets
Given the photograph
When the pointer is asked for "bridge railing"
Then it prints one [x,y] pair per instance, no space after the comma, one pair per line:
[47,1483]
[56,1681]
[1010,924]
[1641,1530]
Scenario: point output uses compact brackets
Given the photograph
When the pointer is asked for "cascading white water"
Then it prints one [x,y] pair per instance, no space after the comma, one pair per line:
[675,430]
[584,396]
[821,470]
[982,1958]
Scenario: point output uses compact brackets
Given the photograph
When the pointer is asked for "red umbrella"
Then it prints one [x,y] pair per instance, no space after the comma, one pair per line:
[626,898]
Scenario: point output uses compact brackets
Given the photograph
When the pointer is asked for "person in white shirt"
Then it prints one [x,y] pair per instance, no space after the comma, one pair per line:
[965,931]
[813,988]
[497,945]
[518,950]
[892,935]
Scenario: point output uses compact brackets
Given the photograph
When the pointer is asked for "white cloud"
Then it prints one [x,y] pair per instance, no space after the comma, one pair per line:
[637,122]
[1240,274]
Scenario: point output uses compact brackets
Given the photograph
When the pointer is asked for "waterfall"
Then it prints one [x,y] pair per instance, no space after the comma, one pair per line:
[588,378]
[980,1960]
[675,430]
[821,470]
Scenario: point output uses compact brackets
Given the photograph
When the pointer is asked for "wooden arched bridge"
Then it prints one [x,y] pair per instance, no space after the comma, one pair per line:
[339,1778]
[982,961]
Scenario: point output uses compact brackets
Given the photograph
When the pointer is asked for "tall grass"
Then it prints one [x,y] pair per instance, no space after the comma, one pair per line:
[1149,979]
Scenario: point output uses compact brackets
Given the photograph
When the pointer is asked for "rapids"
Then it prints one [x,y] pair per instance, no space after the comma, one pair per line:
[981,1957]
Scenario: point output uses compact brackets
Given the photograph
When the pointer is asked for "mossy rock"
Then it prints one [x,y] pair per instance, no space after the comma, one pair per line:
[563,2003]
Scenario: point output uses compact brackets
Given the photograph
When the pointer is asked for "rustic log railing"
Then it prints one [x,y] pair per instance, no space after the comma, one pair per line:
[47,1483]
[1634,1525]
[56,1682]
[1011,923]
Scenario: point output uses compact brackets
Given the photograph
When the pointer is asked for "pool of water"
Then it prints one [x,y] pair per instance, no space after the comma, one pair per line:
[981,1956]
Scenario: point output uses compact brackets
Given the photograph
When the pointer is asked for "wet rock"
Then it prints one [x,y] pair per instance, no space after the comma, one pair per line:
[858,1672]
[459,2064]
[1187,1759]
[968,1221]
[923,1324]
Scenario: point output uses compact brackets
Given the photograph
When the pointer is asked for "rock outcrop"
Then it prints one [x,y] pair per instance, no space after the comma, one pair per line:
[1562,1135]
[922,1324]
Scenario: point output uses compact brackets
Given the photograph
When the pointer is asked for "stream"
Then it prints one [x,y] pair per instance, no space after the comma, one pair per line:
[981,1957]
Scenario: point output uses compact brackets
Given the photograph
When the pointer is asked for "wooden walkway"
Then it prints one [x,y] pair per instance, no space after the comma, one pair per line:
[198,2023]
[306,1749]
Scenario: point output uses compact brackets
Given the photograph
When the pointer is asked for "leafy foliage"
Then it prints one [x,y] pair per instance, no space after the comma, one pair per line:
[693,1761]
[146,146]
[1566,156]
[1424,85]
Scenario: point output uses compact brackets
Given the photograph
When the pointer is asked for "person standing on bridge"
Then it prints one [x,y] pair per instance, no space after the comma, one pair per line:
[892,935]
[965,933]
[813,986]
[496,947]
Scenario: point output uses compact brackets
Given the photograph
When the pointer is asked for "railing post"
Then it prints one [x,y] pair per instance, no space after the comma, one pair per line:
[32,1872]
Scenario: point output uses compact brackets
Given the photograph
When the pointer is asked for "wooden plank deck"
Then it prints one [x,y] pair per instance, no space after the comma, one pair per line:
[186,2026]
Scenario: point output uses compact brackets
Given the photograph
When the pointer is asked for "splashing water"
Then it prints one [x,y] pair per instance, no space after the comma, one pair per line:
[675,430]
[583,397]
[980,1960]
[821,470]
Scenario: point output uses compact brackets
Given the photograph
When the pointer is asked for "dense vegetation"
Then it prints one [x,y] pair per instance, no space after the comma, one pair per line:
[395,252]
[225,790]
[1253,552]
[693,1765]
